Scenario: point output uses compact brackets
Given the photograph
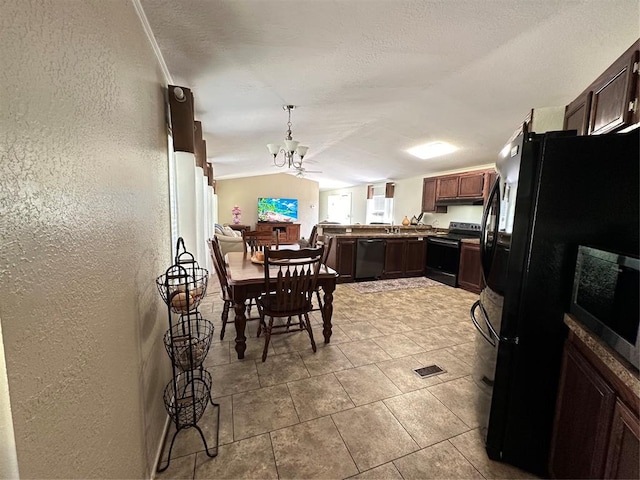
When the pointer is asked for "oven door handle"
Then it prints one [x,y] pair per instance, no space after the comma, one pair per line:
[476,323]
[441,241]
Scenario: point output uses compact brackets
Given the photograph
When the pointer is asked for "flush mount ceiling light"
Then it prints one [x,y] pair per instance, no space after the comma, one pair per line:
[430,150]
[291,147]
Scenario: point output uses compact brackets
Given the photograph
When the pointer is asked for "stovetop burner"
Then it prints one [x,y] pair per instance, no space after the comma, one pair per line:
[462,230]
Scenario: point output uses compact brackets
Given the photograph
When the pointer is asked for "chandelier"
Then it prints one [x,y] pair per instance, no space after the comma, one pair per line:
[291,147]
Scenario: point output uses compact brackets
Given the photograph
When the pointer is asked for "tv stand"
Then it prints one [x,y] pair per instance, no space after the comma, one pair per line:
[288,233]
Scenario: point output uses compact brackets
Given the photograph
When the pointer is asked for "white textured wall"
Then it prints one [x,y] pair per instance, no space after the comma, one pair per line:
[245,192]
[84,229]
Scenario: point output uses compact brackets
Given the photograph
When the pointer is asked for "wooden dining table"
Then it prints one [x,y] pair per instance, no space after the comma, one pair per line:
[246,280]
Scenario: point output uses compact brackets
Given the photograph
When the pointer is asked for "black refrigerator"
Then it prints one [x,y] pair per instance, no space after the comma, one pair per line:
[555,191]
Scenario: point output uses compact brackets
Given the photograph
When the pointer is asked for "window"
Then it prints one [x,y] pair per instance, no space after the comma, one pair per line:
[379,208]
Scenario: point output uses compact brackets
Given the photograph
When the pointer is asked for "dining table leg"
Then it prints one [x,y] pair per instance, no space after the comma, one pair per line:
[241,322]
[327,310]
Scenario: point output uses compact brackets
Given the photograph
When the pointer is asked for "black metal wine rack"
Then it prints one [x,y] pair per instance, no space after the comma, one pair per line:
[187,341]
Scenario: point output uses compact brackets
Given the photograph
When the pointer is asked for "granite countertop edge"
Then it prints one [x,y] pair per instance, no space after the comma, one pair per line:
[378,231]
[624,372]
[381,235]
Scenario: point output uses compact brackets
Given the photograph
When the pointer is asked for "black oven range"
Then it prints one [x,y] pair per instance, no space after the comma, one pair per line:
[443,252]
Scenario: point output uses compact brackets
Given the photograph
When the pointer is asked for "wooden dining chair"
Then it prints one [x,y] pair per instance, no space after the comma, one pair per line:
[257,240]
[323,262]
[219,266]
[313,237]
[290,278]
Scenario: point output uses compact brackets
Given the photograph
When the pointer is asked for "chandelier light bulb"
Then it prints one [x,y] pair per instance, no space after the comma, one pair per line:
[302,150]
[291,145]
[274,148]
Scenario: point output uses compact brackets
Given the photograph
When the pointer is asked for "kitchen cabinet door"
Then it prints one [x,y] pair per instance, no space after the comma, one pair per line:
[583,418]
[342,258]
[623,459]
[576,114]
[471,185]
[415,257]
[447,187]
[470,271]
[614,102]
[429,197]
[394,258]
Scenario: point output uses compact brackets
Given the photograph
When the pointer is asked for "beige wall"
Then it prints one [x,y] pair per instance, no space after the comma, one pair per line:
[358,202]
[244,192]
[84,232]
[407,201]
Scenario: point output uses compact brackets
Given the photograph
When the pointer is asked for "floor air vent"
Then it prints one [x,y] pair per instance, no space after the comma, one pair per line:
[429,371]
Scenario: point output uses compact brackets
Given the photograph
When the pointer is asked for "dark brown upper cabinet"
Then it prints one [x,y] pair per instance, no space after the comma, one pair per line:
[610,103]
[447,187]
[472,184]
[614,98]
[576,115]
[429,197]
[466,188]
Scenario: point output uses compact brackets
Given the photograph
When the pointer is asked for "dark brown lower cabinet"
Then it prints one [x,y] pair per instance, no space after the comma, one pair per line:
[470,271]
[623,458]
[583,418]
[595,434]
[394,257]
[342,258]
[415,258]
[404,257]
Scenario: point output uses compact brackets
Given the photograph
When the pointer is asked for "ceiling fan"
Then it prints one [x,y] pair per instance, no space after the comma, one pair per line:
[302,171]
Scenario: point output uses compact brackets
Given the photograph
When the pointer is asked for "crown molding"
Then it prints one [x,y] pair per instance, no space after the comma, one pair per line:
[152,40]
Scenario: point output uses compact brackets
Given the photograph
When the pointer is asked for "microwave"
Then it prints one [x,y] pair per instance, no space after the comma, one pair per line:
[605,299]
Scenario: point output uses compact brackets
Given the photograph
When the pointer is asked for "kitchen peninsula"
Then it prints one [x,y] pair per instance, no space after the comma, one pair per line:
[390,251]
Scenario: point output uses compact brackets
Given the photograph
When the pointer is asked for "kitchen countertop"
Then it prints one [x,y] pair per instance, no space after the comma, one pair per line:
[381,235]
[373,231]
[624,371]
[474,241]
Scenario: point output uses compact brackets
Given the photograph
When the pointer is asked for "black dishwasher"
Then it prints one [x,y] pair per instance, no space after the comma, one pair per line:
[369,258]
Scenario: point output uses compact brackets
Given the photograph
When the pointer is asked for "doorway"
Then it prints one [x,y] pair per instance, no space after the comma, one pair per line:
[339,208]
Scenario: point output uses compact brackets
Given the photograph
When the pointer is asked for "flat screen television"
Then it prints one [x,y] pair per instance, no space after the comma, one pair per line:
[277,209]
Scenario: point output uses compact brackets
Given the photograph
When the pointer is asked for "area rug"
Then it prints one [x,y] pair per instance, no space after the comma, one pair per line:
[378,286]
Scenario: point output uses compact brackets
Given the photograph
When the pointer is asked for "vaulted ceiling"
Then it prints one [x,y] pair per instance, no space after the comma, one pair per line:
[372,78]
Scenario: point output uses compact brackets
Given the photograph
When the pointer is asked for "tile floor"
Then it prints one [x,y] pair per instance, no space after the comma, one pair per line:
[355,408]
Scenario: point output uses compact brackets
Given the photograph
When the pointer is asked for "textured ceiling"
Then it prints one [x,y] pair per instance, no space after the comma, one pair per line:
[372,78]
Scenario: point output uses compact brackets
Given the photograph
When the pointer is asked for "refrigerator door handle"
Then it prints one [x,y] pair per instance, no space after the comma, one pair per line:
[472,313]
[485,261]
